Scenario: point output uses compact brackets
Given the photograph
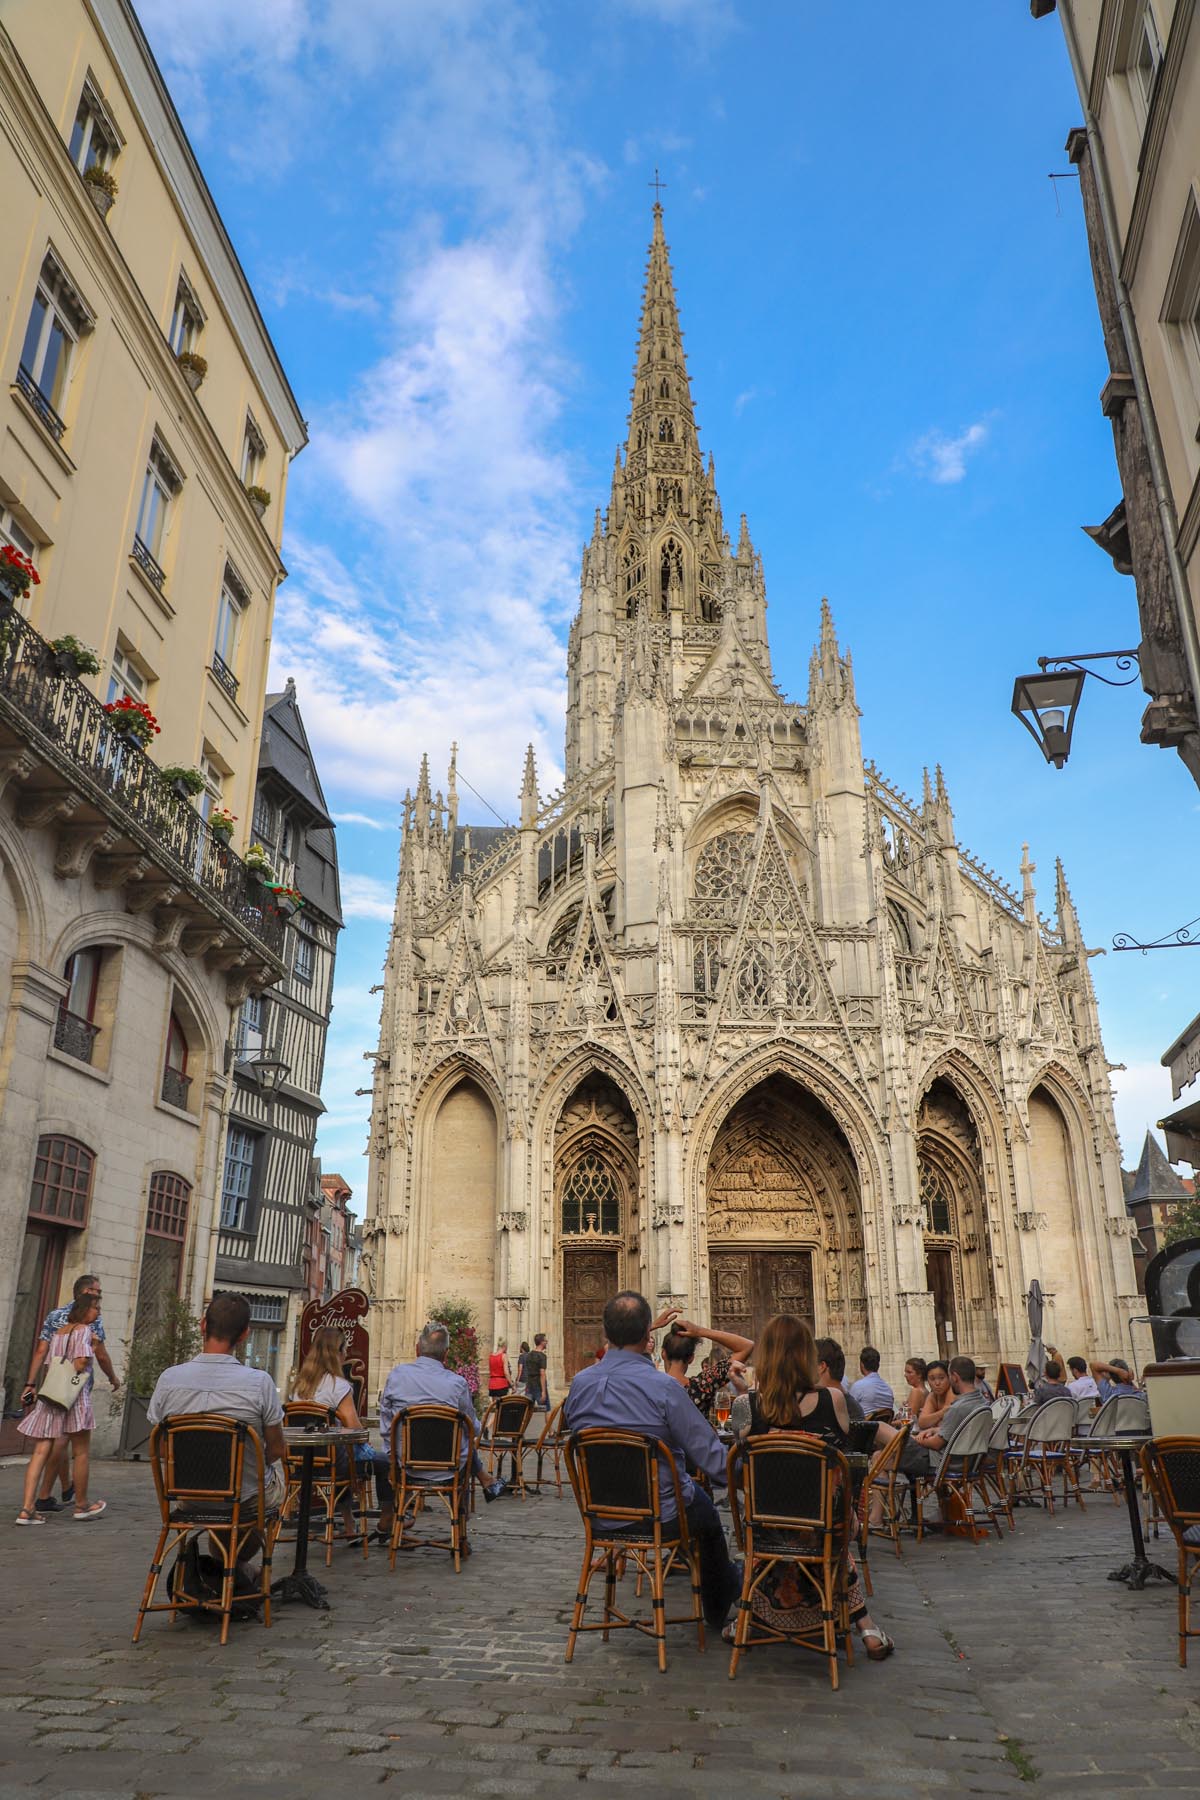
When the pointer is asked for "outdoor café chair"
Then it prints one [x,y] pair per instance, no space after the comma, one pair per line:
[427,1464]
[551,1443]
[1119,1413]
[505,1424]
[958,1478]
[790,1496]
[327,1484]
[198,1462]
[881,1480]
[995,1466]
[614,1477]
[1047,1450]
[1171,1470]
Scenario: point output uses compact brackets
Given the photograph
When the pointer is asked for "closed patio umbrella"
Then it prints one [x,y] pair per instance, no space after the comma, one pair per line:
[1035,1359]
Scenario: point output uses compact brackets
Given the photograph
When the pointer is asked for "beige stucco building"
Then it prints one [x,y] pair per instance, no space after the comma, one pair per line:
[730,1019]
[127,926]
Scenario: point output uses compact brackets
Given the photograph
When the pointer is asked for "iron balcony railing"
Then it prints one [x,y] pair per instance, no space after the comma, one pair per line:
[72,1035]
[225,675]
[65,722]
[145,560]
[175,1085]
[39,403]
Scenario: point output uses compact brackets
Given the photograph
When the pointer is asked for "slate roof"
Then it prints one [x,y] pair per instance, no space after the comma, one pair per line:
[1155,1180]
[484,839]
[286,758]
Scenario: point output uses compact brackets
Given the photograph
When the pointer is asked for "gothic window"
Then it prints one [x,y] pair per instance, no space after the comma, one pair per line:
[775,978]
[723,874]
[633,565]
[706,964]
[666,431]
[664,389]
[591,1200]
[670,570]
[670,494]
[900,928]
[935,1195]
[562,940]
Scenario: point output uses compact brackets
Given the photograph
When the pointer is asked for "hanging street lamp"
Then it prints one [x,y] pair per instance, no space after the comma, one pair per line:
[1046,703]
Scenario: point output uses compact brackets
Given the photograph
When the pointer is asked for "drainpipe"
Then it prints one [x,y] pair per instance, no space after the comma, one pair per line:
[1137,368]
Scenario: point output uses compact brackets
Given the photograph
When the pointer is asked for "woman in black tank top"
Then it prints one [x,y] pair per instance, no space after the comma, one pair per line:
[789,1398]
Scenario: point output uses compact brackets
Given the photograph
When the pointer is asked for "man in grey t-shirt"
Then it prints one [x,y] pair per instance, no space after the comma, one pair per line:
[216,1382]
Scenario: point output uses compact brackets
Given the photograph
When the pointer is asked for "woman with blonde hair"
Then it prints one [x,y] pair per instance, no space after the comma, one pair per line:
[789,1397]
[319,1380]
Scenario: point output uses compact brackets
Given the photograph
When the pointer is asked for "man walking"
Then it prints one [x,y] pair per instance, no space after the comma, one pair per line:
[535,1374]
[626,1392]
[87,1287]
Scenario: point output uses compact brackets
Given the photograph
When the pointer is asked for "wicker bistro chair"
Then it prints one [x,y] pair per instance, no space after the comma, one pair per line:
[428,1464]
[790,1496]
[198,1461]
[881,1481]
[1171,1470]
[614,1478]
[551,1443]
[327,1484]
[960,1475]
[1047,1450]
[505,1425]
[1120,1412]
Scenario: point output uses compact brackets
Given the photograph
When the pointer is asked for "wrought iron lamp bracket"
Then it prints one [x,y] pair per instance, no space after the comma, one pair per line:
[1124,659]
[1184,937]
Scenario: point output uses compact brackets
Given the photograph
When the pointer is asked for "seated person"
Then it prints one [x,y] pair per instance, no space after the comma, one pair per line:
[871,1390]
[1051,1386]
[320,1381]
[982,1384]
[915,1391]
[789,1397]
[216,1382]
[831,1373]
[941,1396]
[920,1453]
[426,1381]
[1081,1385]
[1115,1377]
[679,1351]
[625,1392]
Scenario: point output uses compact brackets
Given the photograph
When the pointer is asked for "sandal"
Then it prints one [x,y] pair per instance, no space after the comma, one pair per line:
[25,1517]
[882,1647]
[93,1511]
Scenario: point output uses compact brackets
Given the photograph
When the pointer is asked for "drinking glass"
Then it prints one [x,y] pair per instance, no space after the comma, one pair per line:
[722,1405]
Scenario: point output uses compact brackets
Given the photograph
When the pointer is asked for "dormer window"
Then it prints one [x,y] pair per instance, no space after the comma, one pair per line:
[95,140]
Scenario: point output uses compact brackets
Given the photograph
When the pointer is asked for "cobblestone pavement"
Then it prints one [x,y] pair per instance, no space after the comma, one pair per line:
[1020,1670]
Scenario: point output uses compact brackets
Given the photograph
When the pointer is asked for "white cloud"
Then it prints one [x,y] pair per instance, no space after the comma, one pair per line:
[366,897]
[943,459]
[358,818]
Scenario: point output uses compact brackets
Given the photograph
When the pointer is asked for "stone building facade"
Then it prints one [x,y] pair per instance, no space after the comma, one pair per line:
[729,1019]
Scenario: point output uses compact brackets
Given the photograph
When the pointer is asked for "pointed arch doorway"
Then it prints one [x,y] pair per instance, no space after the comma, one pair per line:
[784,1216]
[595,1204]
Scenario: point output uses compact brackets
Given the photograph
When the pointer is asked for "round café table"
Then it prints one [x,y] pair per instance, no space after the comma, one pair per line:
[1137,1573]
[299,1584]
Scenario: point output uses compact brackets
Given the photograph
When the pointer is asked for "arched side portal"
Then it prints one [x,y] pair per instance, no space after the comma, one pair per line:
[462,1201]
[1059,1238]
[595,1210]
[784,1216]
[958,1268]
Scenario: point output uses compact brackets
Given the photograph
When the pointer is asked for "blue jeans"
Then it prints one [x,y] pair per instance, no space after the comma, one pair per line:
[379,1463]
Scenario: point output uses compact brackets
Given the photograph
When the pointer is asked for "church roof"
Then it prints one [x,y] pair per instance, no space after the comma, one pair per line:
[285,756]
[1155,1179]
[484,838]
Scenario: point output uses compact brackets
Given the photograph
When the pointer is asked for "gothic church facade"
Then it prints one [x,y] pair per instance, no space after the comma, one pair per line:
[729,1019]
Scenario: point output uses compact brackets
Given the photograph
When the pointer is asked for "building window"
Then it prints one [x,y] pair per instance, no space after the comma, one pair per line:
[304,962]
[214,785]
[161,484]
[126,681]
[75,1030]
[167,1211]
[1146,60]
[238,1180]
[13,533]
[254,453]
[162,1248]
[95,140]
[1181,314]
[591,1200]
[187,318]
[176,1081]
[266,819]
[57,321]
[62,1182]
[251,1026]
[939,1218]
[230,607]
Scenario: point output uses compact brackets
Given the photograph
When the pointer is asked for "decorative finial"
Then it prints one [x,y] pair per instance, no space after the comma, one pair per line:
[659,189]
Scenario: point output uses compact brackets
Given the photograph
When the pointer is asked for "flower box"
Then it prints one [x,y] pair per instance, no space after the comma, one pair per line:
[133,719]
[16,573]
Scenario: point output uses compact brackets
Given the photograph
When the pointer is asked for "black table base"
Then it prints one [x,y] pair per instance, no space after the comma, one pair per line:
[1137,1573]
[303,1587]
[300,1585]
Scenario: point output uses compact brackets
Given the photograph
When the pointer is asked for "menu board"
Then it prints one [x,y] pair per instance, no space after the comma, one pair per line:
[345,1312]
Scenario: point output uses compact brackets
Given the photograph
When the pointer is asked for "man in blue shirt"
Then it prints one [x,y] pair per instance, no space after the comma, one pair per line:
[428,1382]
[86,1287]
[871,1390]
[626,1392]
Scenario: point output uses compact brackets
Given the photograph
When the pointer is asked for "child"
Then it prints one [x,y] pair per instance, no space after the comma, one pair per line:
[46,1422]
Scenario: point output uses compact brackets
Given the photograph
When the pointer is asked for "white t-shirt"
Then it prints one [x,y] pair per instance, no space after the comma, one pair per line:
[330,1391]
[1083,1388]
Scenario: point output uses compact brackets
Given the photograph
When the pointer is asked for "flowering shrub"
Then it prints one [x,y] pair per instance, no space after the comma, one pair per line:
[221,820]
[463,1355]
[258,862]
[17,570]
[134,718]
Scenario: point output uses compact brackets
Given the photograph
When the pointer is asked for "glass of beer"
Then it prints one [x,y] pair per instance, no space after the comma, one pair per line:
[722,1405]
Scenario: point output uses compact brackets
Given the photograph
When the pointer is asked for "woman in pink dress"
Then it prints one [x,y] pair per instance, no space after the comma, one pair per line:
[46,1422]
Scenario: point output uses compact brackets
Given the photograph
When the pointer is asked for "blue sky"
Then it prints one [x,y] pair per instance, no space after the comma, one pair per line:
[892,336]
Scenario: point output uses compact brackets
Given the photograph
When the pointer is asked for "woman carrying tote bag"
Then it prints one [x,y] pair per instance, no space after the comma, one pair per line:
[48,1420]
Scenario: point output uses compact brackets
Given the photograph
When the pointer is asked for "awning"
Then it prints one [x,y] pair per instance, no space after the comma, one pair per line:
[1182,1130]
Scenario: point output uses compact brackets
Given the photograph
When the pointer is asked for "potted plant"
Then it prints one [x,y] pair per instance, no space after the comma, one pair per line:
[259,498]
[174,1337]
[185,782]
[132,719]
[71,657]
[16,574]
[194,367]
[458,1316]
[102,188]
[222,821]
[258,867]
[288,900]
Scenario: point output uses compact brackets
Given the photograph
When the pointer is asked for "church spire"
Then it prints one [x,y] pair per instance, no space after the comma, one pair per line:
[661,403]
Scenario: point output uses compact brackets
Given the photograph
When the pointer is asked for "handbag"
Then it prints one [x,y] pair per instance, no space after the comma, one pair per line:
[63,1382]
